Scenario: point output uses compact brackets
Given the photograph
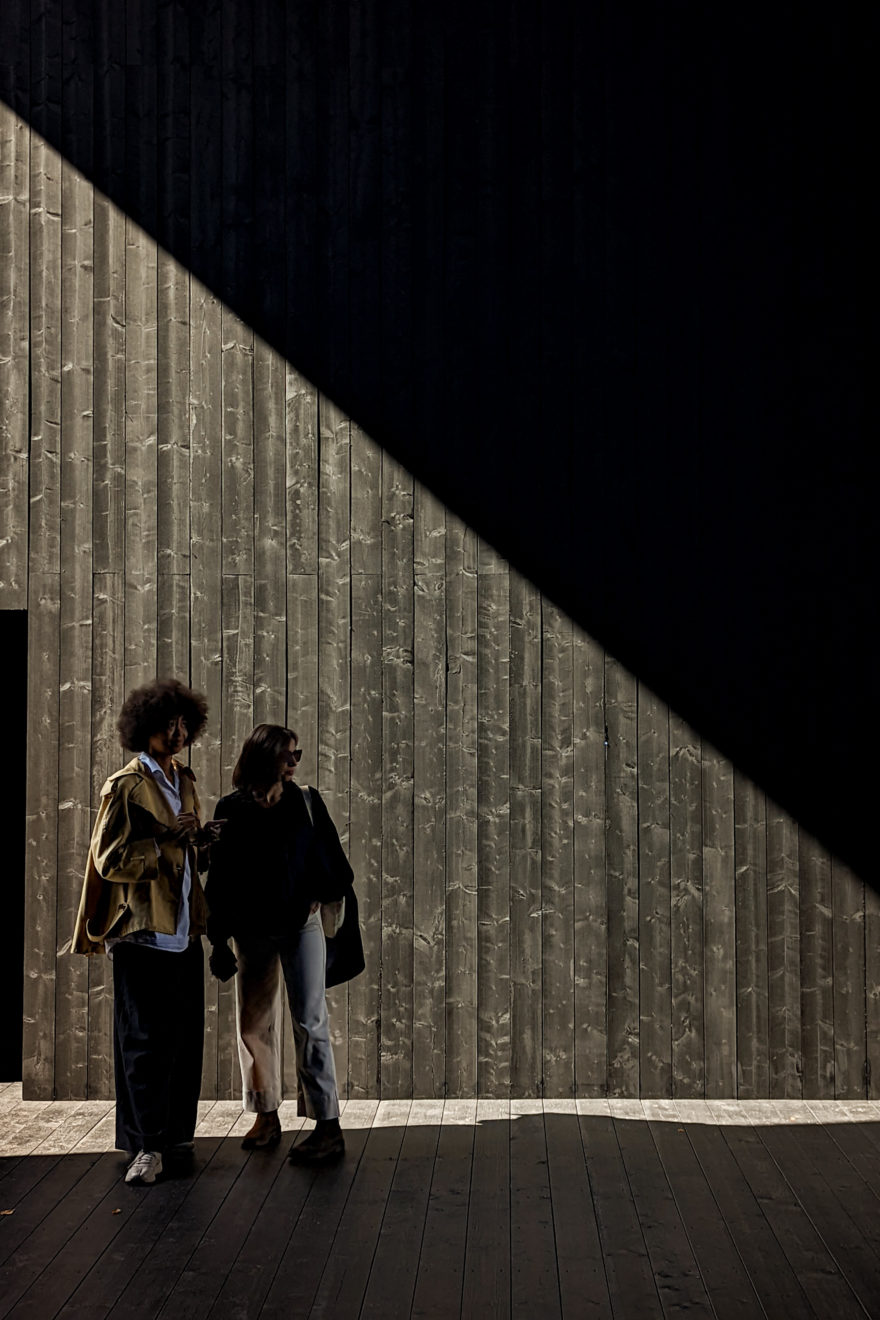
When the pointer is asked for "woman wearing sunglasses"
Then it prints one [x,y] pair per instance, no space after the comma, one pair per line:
[276,863]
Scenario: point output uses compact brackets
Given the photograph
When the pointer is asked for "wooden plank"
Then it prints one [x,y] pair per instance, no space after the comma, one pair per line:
[583,1287]
[783,954]
[38,1031]
[770,1273]
[679,1284]
[237,719]
[302,717]
[334,659]
[389,1289]
[526,1028]
[590,899]
[302,474]
[108,500]
[197,1287]
[397,772]
[686,931]
[817,972]
[206,653]
[630,1279]
[44,238]
[140,457]
[655,897]
[842,1207]
[14,344]
[366,755]
[872,989]
[719,917]
[345,1276]
[141,344]
[237,366]
[724,1275]
[173,463]
[438,1288]
[493,828]
[848,933]
[621,868]
[461,818]
[429,794]
[75,640]
[557,874]
[752,994]
[107,696]
[270,535]
[802,1245]
[534,1279]
[172,638]
[486,1283]
[172,416]
[302,1265]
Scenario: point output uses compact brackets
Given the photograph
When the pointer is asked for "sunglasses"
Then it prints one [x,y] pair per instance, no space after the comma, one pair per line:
[293,758]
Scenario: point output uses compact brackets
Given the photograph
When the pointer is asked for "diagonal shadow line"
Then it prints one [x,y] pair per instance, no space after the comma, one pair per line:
[487,267]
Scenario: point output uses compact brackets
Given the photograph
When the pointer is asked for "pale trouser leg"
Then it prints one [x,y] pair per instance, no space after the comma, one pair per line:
[259,1008]
[304,959]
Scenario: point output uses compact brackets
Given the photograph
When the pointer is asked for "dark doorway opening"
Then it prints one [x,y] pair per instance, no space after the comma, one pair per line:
[13,649]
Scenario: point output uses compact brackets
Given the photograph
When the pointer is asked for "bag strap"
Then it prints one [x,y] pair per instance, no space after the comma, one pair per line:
[307,794]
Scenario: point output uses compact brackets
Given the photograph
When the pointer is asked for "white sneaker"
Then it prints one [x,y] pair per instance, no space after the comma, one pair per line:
[145,1167]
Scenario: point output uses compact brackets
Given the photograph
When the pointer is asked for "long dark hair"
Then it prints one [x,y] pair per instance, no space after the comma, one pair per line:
[256,769]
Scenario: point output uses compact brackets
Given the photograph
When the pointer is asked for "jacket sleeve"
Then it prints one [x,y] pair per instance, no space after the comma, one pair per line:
[123,846]
[334,873]
[221,870]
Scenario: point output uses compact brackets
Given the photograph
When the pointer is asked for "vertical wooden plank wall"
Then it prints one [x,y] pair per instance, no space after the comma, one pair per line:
[563,891]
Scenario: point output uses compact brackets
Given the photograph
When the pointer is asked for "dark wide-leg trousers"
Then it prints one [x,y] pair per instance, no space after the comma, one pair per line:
[158,1035]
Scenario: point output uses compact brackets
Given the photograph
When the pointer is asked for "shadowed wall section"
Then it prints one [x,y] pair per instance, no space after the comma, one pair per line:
[564,890]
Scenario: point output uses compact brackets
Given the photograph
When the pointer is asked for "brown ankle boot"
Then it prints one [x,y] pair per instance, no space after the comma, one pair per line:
[266,1131]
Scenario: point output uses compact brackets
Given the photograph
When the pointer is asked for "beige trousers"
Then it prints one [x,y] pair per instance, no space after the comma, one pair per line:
[263,966]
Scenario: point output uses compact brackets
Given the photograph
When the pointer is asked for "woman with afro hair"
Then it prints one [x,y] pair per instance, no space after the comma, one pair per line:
[142,903]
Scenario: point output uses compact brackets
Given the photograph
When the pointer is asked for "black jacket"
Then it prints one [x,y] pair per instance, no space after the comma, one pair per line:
[270,865]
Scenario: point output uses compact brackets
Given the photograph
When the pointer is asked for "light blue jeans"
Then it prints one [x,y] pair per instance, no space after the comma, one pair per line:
[263,964]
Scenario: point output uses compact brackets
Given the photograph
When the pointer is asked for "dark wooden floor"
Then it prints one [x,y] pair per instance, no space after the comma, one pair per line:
[489,1208]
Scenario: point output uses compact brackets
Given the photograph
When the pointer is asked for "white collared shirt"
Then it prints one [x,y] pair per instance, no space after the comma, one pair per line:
[152,939]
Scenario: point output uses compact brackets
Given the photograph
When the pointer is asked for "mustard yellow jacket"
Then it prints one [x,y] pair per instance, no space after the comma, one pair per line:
[130,884]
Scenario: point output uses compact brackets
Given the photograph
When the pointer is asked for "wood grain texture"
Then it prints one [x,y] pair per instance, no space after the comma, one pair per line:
[850,1045]
[526,1018]
[686,927]
[270,536]
[783,955]
[621,869]
[493,824]
[655,898]
[429,794]
[75,640]
[365,829]
[557,857]
[816,966]
[141,489]
[108,694]
[872,990]
[752,1002]
[590,897]
[719,924]
[15,141]
[397,776]
[237,722]
[41,843]
[334,658]
[461,817]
